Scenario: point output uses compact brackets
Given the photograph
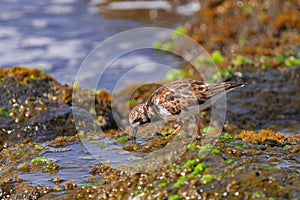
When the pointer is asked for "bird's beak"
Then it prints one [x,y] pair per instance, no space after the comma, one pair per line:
[134,131]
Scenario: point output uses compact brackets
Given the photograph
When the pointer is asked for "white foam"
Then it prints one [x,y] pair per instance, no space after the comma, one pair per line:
[146,5]
[59,9]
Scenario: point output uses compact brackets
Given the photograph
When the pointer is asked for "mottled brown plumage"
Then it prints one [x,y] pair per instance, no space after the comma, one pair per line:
[169,101]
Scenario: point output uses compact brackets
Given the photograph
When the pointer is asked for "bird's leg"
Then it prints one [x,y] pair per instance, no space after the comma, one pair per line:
[180,124]
[134,131]
[199,134]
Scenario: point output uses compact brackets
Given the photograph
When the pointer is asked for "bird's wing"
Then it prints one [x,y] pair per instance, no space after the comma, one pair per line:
[204,91]
[181,95]
[175,97]
[166,98]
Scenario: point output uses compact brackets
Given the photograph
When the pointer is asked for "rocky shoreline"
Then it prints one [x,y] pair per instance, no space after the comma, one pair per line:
[255,157]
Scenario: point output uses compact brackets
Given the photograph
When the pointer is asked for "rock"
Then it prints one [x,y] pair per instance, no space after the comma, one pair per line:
[36,107]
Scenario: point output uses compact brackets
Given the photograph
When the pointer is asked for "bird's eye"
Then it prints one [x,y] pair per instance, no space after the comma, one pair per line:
[136,120]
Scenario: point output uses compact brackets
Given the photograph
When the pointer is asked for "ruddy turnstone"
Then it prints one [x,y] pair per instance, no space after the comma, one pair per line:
[171,101]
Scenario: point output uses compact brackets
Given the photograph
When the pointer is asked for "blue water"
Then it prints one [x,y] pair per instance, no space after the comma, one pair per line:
[73,159]
[56,36]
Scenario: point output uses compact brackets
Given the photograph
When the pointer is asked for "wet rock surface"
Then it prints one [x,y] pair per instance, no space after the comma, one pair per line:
[231,169]
[37,121]
[38,133]
[36,107]
[240,165]
[270,100]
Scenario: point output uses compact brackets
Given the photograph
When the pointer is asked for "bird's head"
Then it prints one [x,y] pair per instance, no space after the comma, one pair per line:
[139,116]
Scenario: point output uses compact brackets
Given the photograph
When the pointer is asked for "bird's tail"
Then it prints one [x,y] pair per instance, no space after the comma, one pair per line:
[217,88]
[214,92]
[234,84]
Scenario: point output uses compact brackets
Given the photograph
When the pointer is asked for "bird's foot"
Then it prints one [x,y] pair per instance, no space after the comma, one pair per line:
[133,141]
[177,130]
[198,138]
[179,127]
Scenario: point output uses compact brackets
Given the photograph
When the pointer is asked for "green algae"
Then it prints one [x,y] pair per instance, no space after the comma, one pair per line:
[193,146]
[180,31]
[250,173]
[173,75]
[226,137]
[201,167]
[180,182]
[292,61]
[4,112]
[190,164]
[175,197]
[228,161]
[215,151]
[163,184]
[40,160]
[132,103]
[123,140]
[76,86]
[39,147]
[205,149]
[193,172]
[207,178]
[164,46]
[217,57]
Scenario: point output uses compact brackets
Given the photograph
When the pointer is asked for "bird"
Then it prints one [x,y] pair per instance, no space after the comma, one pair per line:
[172,101]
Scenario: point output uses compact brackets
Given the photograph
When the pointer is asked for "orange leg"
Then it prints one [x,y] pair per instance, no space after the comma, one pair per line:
[180,124]
[199,134]
[177,130]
